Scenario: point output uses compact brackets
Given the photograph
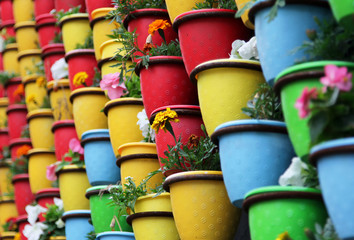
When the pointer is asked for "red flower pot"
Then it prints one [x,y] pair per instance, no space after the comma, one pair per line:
[23,193]
[190,120]
[67,4]
[50,54]
[94,4]
[64,131]
[1,69]
[21,222]
[43,7]
[2,88]
[81,60]
[16,143]
[6,10]
[140,20]
[11,87]
[207,34]
[4,138]
[46,28]
[8,25]
[166,83]
[46,196]
[16,115]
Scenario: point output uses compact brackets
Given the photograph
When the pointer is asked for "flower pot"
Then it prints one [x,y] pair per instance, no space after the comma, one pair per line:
[50,54]
[43,7]
[153,203]
[166,82]
[67,4]
[244,145]
[8,210]
[8,235]
[81,60]
[2,87]
[35,91]
[210,32]
[237,80]
[14,91]
[40,124]
[73,183]
[77,225]
[4,102]
[206,203]
[8,27]
[177,7]
[101,28]
[4,138]
[334,166]
[137,160]
[46,28]
[116,236]
[26,36]
[298,14]
[102,212]
[6,10]
[18,143]
[105,66]
[57,238]
[343,11]
[6,187]
[122,121]
[245,19]
[274,210]
[99,158]
[21,222]
[59,96]
[87,109]
[75,23]
[23,10]
[23,193]
[139,20]
[38,160]
[290,83]
[190,121]
[92,5]
[28,60]
[46,196]
[9,55]
[64,131]
[16,114]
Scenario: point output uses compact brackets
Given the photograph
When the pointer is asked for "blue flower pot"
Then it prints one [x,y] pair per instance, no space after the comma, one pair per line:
[100,160]
[278,40]
[115,236]
[253,154]
[335,166]
[77,224]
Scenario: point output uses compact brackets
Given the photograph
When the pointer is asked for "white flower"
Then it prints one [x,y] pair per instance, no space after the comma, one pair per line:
[2,44]
[144,125]
[293,175]
[235,47]
[59,203]
[60,223]
[59,69]
[33,212]
[34,231]
[244,50]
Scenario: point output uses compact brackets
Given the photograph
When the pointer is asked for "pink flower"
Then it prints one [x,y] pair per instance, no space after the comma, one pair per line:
[51,172]
[337,77]
[110,82]
[75,146]
[302,103]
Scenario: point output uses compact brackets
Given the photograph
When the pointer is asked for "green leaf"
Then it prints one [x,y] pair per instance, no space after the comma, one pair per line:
[317,124]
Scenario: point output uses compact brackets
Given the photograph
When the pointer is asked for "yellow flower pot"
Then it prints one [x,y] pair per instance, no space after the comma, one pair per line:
[35,91]
[59,96]
[150,203]
[108,48]
[26,36]
[75,29]
[4,103]
[40,124]
[101,27]
[8,235]
[8,210]
[177,7]
[206,211]
[73,183]
[6,186]
[224,87]
[88,103]
[23,10]
[39,159]
[58,238]
[122,121]
[9,56]
[137,160]
[240,4]
[28,60]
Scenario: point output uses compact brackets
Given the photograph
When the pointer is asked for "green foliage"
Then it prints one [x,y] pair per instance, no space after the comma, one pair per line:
[221,4]
[46,102]
[10,225]
[88,44]
[38,68]
[272,13]
[9,40]
[58,38]
[75,159]
[323,233]
[133,87]
[265,104]
[53,214]
[19,166]
[91,235]
[5,77]
[60,14]
[97,78]
[309,175]
[25,132]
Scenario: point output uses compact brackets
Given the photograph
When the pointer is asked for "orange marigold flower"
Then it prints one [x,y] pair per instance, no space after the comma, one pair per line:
[158,24]
[23,150]
[193,140]
[20,91]
[147,47]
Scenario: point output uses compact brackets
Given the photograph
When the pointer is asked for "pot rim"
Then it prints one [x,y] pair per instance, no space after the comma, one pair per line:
[62,83]
[44,15]
[94,139]
[133,144]
[75,16]
[52,23]
[22,218]
[52,45]
[19,141]
[122,101]
[9,47]
[4,131]
[28,53]
[76,214]
[30,79]
[94,191]
[134,216]
[95,19]
[151,195]
[115,233]
[180,109]
[14,107]
[14,80]
[35,151]
[25,24]
[144,12]
[47,192]
[4,102]
[71,168]
[78,52]
[63,123]
[157,60]
[39,113]
[7,23]
[105,60]
[85,91]
[125,158]
[20,177]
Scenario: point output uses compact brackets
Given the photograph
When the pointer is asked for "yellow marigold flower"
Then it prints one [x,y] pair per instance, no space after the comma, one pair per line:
[23,150]
[162,117]
[20,91]
[158,24]
[80,78]
[31,98]
[17,236]
[283,236]
[40,81]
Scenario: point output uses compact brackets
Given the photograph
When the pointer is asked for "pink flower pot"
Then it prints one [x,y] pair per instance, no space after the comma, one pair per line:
[50,54]
[67,4]
[43,7]
[10,89]
[21,222]
[46,196]
[23,193]
[94,4]
[6,10]
[46,28]
[4,138]
[16,143]
[64,131]
[16,115]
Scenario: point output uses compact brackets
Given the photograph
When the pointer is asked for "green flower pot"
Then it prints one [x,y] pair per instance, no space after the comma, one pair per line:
[343,11]
[290,84]
[275,209]
[102,211]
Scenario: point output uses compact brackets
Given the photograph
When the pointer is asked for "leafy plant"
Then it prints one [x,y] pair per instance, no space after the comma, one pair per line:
[323,233]
[71,158]
[58,38]
[265,104]
[88,44]
[5,77]
[133,87]
[273,11]
[38,68]
[91,235]
[55,226]
[97,78]
[222,4]
[10,225]
[60,14]
[9,40]
[19,166]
